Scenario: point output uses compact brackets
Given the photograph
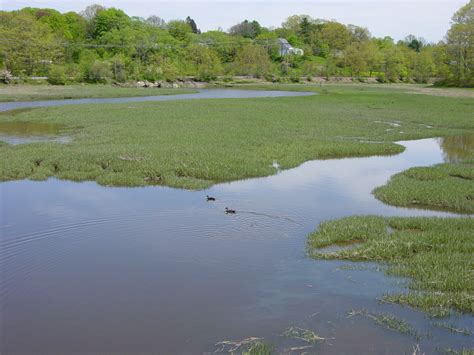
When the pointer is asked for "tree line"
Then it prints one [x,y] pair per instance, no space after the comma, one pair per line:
[105,44]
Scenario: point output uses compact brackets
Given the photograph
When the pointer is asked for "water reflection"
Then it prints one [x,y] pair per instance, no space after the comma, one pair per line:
[20,128]
[457,148]
[87,268]
[21,132]
[201,94]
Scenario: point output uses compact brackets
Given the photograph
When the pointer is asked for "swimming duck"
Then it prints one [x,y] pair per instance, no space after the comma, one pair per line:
[210,198]
[227,210]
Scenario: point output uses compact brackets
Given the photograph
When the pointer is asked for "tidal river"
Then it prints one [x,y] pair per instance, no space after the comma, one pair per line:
[154,270]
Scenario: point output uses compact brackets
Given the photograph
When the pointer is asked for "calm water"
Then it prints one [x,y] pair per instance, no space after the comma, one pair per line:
[201,94]
[23,132]
[91,269]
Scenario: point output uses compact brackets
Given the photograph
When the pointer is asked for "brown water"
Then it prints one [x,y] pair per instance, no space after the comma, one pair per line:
[92,269]
[21,132]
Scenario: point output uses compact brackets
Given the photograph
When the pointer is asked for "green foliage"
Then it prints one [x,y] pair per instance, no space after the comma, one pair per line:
[335,35]
[422,67]
[192,24]
[35,38]
[246,29]
[108,20]
[252,60]
[460,40]
[259,348]
[28,45]
[57,75]
[414,43]
[119,71]
[394,67]
[224,45]
[98,72]
[294,75]
[179,29]
[205,61]
[356,56]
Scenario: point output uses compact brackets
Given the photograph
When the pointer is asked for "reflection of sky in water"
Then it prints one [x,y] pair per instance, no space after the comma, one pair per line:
[13,140]
[102,269]
[201,94]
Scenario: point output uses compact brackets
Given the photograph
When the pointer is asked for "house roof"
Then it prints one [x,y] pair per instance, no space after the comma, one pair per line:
[282,41]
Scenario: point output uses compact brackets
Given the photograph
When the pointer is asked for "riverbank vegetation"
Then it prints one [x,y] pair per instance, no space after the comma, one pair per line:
[444,186]
[194,144]
[434,253]
[102,45]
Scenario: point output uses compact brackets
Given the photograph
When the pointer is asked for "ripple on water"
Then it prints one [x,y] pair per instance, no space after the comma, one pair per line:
[158,266]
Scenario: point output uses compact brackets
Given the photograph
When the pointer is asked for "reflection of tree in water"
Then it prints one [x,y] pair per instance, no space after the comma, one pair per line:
[457,148]
[28,128]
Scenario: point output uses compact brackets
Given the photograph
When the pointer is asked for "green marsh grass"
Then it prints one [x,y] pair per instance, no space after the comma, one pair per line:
[458,351]
[445,186]
[452,328]
[305,335]
[387,321]
[195,144]
[434,253]
[247,346]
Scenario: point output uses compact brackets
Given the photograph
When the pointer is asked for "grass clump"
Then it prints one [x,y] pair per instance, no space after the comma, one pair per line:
[247,346]
[444,186]
[194,144]
[458,351]
[259,348]
[387,321]
[303,334]
[435,253]
[452,328]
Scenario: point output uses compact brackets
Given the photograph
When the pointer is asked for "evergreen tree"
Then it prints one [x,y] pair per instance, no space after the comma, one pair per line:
[193,25]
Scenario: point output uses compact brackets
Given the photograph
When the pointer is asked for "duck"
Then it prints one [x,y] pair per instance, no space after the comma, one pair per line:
[210,198]
[227,210]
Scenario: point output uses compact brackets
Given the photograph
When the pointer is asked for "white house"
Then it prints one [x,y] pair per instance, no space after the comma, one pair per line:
[286,48]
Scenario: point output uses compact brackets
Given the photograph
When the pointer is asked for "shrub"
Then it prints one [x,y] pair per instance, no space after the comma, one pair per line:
[5,76]
[381,78]
[270,77]
[74,73]
[170,72]
[98,72]
[206,75]
[294,76]
[118,70]
[252,60]
[57,75]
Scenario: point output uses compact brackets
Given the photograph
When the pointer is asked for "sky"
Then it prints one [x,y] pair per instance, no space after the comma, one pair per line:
[423,18]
